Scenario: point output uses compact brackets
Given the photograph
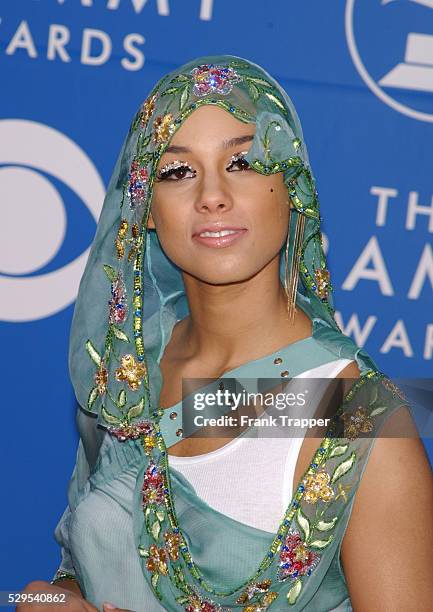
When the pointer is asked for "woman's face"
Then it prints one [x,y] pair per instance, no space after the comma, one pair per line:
[204,185]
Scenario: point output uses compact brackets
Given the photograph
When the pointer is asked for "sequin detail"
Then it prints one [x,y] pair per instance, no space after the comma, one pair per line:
[322,277]
[153,486]
[137,184]
[172,541]
[120,238]
[163,128]
[157,561]
[296,559]
[101,379]
[131,372]
[147,110]
[117,304]
[210,78]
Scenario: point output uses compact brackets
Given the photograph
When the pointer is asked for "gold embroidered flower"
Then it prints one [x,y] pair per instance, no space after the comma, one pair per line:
[322,282]
[130,371]
[101,379]
[172,541]
[356,423]
[252,589]
[149,442]
[163,128]
[157,561]
[317,487]
[263,604]
[147,110]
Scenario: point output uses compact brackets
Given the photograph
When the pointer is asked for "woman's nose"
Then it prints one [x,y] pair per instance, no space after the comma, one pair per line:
[214,197]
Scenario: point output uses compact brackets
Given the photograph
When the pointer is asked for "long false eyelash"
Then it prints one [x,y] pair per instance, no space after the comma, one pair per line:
[171,167]
[237,157]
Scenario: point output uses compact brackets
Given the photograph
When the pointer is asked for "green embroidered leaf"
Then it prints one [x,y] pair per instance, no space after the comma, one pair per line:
[169,91]
[254,92]
[147,512]
[293,594]
[179,77]
[143,552]
[182,599]
[156,528]
[136,410]
[326,525]
[303,523]
[261,82]
[321,543]
[121,400]
[374,395]
[92,397]
[378,410]
[183,98]
[110,272]
[154,580]
[343,468]
[93,353]
[160,515]
[338,450]
[110,418]
[275,100]
[120,335]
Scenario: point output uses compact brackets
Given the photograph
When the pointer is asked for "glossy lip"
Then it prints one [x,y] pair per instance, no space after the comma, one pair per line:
[218,242]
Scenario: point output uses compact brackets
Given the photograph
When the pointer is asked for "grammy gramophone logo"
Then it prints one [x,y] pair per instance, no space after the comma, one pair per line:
[412,73]
[416,69]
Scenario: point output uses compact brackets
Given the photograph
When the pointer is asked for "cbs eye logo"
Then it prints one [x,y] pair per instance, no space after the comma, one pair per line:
[392,52]
[43,248]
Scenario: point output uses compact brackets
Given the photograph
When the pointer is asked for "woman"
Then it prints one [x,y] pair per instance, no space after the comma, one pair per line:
[209,254]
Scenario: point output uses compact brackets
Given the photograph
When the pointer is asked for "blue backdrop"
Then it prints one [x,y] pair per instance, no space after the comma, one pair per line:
[74,72]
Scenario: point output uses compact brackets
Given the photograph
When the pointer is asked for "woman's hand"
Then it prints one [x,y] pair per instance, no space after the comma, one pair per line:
[72,602]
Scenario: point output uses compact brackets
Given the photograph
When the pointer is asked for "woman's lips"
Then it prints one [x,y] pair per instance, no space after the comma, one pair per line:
[218,242]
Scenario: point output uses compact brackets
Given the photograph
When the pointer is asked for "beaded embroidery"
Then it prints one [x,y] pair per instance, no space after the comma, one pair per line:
[209,78]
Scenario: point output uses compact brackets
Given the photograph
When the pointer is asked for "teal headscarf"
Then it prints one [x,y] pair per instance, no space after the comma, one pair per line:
[131,295]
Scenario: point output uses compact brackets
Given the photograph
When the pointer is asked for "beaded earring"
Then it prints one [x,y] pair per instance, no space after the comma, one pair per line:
[291,278]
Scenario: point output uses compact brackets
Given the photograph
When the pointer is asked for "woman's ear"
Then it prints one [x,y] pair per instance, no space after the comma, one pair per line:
[150,222]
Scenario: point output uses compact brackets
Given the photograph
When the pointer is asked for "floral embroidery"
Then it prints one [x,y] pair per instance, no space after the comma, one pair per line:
[209,78]
[356,423]
[117,312]
[137,184]
[101,378]
[136,242]
[317,487]
[295,557]
[131,372]
[147,110]
[196,604]
[157,561]
[172,541]
[163,128]
[153,486]
[132,431]
[121,235]
[322,277]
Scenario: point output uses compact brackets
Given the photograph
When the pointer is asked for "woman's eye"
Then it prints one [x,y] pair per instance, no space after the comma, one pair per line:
[175,171]
[238,162]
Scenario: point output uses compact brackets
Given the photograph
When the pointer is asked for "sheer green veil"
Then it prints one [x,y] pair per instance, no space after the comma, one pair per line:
[130,297]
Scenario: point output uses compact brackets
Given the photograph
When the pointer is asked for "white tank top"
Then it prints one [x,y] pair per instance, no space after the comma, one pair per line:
[229,478]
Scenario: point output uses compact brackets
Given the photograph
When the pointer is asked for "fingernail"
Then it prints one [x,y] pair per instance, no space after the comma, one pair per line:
[108,605]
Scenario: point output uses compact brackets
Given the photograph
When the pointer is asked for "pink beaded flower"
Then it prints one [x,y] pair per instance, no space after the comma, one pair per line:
[209,78]
[117,312]
[295,557]
[153,486]
[132,431]
[137,184]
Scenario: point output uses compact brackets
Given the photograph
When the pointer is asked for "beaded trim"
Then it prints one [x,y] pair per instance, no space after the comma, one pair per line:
[61,575]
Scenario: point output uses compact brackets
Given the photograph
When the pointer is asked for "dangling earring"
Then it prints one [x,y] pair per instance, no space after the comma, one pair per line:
[291,279]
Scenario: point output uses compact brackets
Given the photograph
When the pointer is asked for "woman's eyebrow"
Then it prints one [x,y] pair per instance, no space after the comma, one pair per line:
[226,144]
